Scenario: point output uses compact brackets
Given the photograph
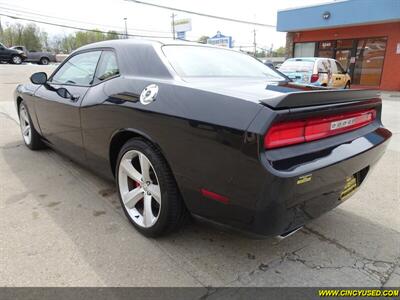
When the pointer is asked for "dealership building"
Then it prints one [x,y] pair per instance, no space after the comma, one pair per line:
[363,35]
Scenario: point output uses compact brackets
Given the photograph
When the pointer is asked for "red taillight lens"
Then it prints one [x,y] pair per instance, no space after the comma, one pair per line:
[295,132]
[283,134]
[314,77]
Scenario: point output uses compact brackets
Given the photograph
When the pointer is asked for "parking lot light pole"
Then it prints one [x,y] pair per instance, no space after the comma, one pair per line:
[126,28]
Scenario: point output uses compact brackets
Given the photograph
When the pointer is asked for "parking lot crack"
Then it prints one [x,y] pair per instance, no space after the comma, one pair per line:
[380,270]
[330,241]
[248,277]
[8,117]
[11,146]
[392,270]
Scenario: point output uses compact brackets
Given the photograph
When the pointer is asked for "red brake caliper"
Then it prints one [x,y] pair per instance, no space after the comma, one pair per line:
[135,183]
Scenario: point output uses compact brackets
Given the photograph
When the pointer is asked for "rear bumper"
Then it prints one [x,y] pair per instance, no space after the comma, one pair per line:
[288,202]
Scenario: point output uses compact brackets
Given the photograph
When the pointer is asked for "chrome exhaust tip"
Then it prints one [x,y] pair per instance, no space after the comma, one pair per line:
[287,234]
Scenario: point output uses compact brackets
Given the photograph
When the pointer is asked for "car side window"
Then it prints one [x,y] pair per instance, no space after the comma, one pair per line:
[108,67]
[78,70]
[323,66]
[340,69]
[333,68]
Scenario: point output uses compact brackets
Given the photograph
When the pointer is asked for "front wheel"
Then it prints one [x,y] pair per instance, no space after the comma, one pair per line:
[29,134]
[147,189]
[16,60]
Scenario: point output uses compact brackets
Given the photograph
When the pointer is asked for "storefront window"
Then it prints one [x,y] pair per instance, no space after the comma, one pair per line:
[369,61]
[344,44]
[325,49]
[304,50]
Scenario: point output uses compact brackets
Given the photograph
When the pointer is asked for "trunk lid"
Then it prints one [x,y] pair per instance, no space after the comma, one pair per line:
[280,95]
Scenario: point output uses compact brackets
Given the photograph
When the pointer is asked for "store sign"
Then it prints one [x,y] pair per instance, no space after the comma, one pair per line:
[325,45]
[326,15]
[183,25]
[221,40]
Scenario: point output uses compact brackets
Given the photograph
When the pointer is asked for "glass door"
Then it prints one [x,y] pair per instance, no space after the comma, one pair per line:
[343,56]
[369,61]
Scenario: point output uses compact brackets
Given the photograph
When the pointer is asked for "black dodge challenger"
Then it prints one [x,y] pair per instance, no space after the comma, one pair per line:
[186,128]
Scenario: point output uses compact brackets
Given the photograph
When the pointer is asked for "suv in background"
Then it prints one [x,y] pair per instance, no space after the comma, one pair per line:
[316,71]
[11,55]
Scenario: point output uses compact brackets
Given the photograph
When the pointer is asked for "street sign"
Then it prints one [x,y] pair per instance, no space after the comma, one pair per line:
[220,40]
[181,35]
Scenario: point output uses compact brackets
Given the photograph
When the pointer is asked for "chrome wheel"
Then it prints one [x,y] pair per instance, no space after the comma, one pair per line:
[25,124]
[139,188]
[16,60]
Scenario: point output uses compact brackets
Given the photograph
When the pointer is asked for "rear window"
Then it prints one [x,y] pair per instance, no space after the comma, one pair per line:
[296,66]
[199,61]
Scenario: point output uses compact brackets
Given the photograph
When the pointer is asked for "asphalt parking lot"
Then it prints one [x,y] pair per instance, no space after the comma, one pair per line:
[61,225]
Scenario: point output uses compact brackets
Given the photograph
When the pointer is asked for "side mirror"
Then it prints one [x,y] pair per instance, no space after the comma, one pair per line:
[64,93]
[39,78]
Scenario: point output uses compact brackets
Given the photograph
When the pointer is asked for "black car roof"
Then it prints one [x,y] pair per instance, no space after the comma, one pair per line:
[137,41]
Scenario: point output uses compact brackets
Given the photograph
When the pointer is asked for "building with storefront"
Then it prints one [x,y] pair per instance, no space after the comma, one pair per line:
[364,35]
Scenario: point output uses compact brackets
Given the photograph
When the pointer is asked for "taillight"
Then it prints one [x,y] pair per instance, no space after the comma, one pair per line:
[314,77]
[300,131]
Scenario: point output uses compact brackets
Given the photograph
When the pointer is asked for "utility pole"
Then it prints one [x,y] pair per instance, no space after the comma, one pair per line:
[254,42]
[126,28]
[173,25]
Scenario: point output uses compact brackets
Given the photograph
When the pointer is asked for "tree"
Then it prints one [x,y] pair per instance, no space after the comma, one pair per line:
[112,35]
[28,35]
[33,38]
[280,52]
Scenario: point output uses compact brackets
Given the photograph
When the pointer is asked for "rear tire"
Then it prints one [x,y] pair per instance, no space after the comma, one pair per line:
[147,189]
[44,61]
[16,59]
[30,136]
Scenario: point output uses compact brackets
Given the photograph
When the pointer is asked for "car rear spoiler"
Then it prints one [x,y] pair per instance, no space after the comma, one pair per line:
[318,97]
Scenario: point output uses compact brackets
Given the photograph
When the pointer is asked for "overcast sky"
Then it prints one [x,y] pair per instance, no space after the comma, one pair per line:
[109,14]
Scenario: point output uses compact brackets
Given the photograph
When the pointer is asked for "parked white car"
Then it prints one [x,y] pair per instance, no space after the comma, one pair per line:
[316,71]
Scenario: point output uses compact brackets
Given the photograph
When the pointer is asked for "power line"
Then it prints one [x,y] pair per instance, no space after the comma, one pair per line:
[29,13]
[202,14]
[43,16]
[75,27]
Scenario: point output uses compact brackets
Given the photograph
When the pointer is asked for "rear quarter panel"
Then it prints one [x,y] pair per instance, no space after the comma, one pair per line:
[199,133]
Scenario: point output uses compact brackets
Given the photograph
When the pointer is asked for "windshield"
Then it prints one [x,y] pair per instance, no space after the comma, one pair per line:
[297,66]
[199,61]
